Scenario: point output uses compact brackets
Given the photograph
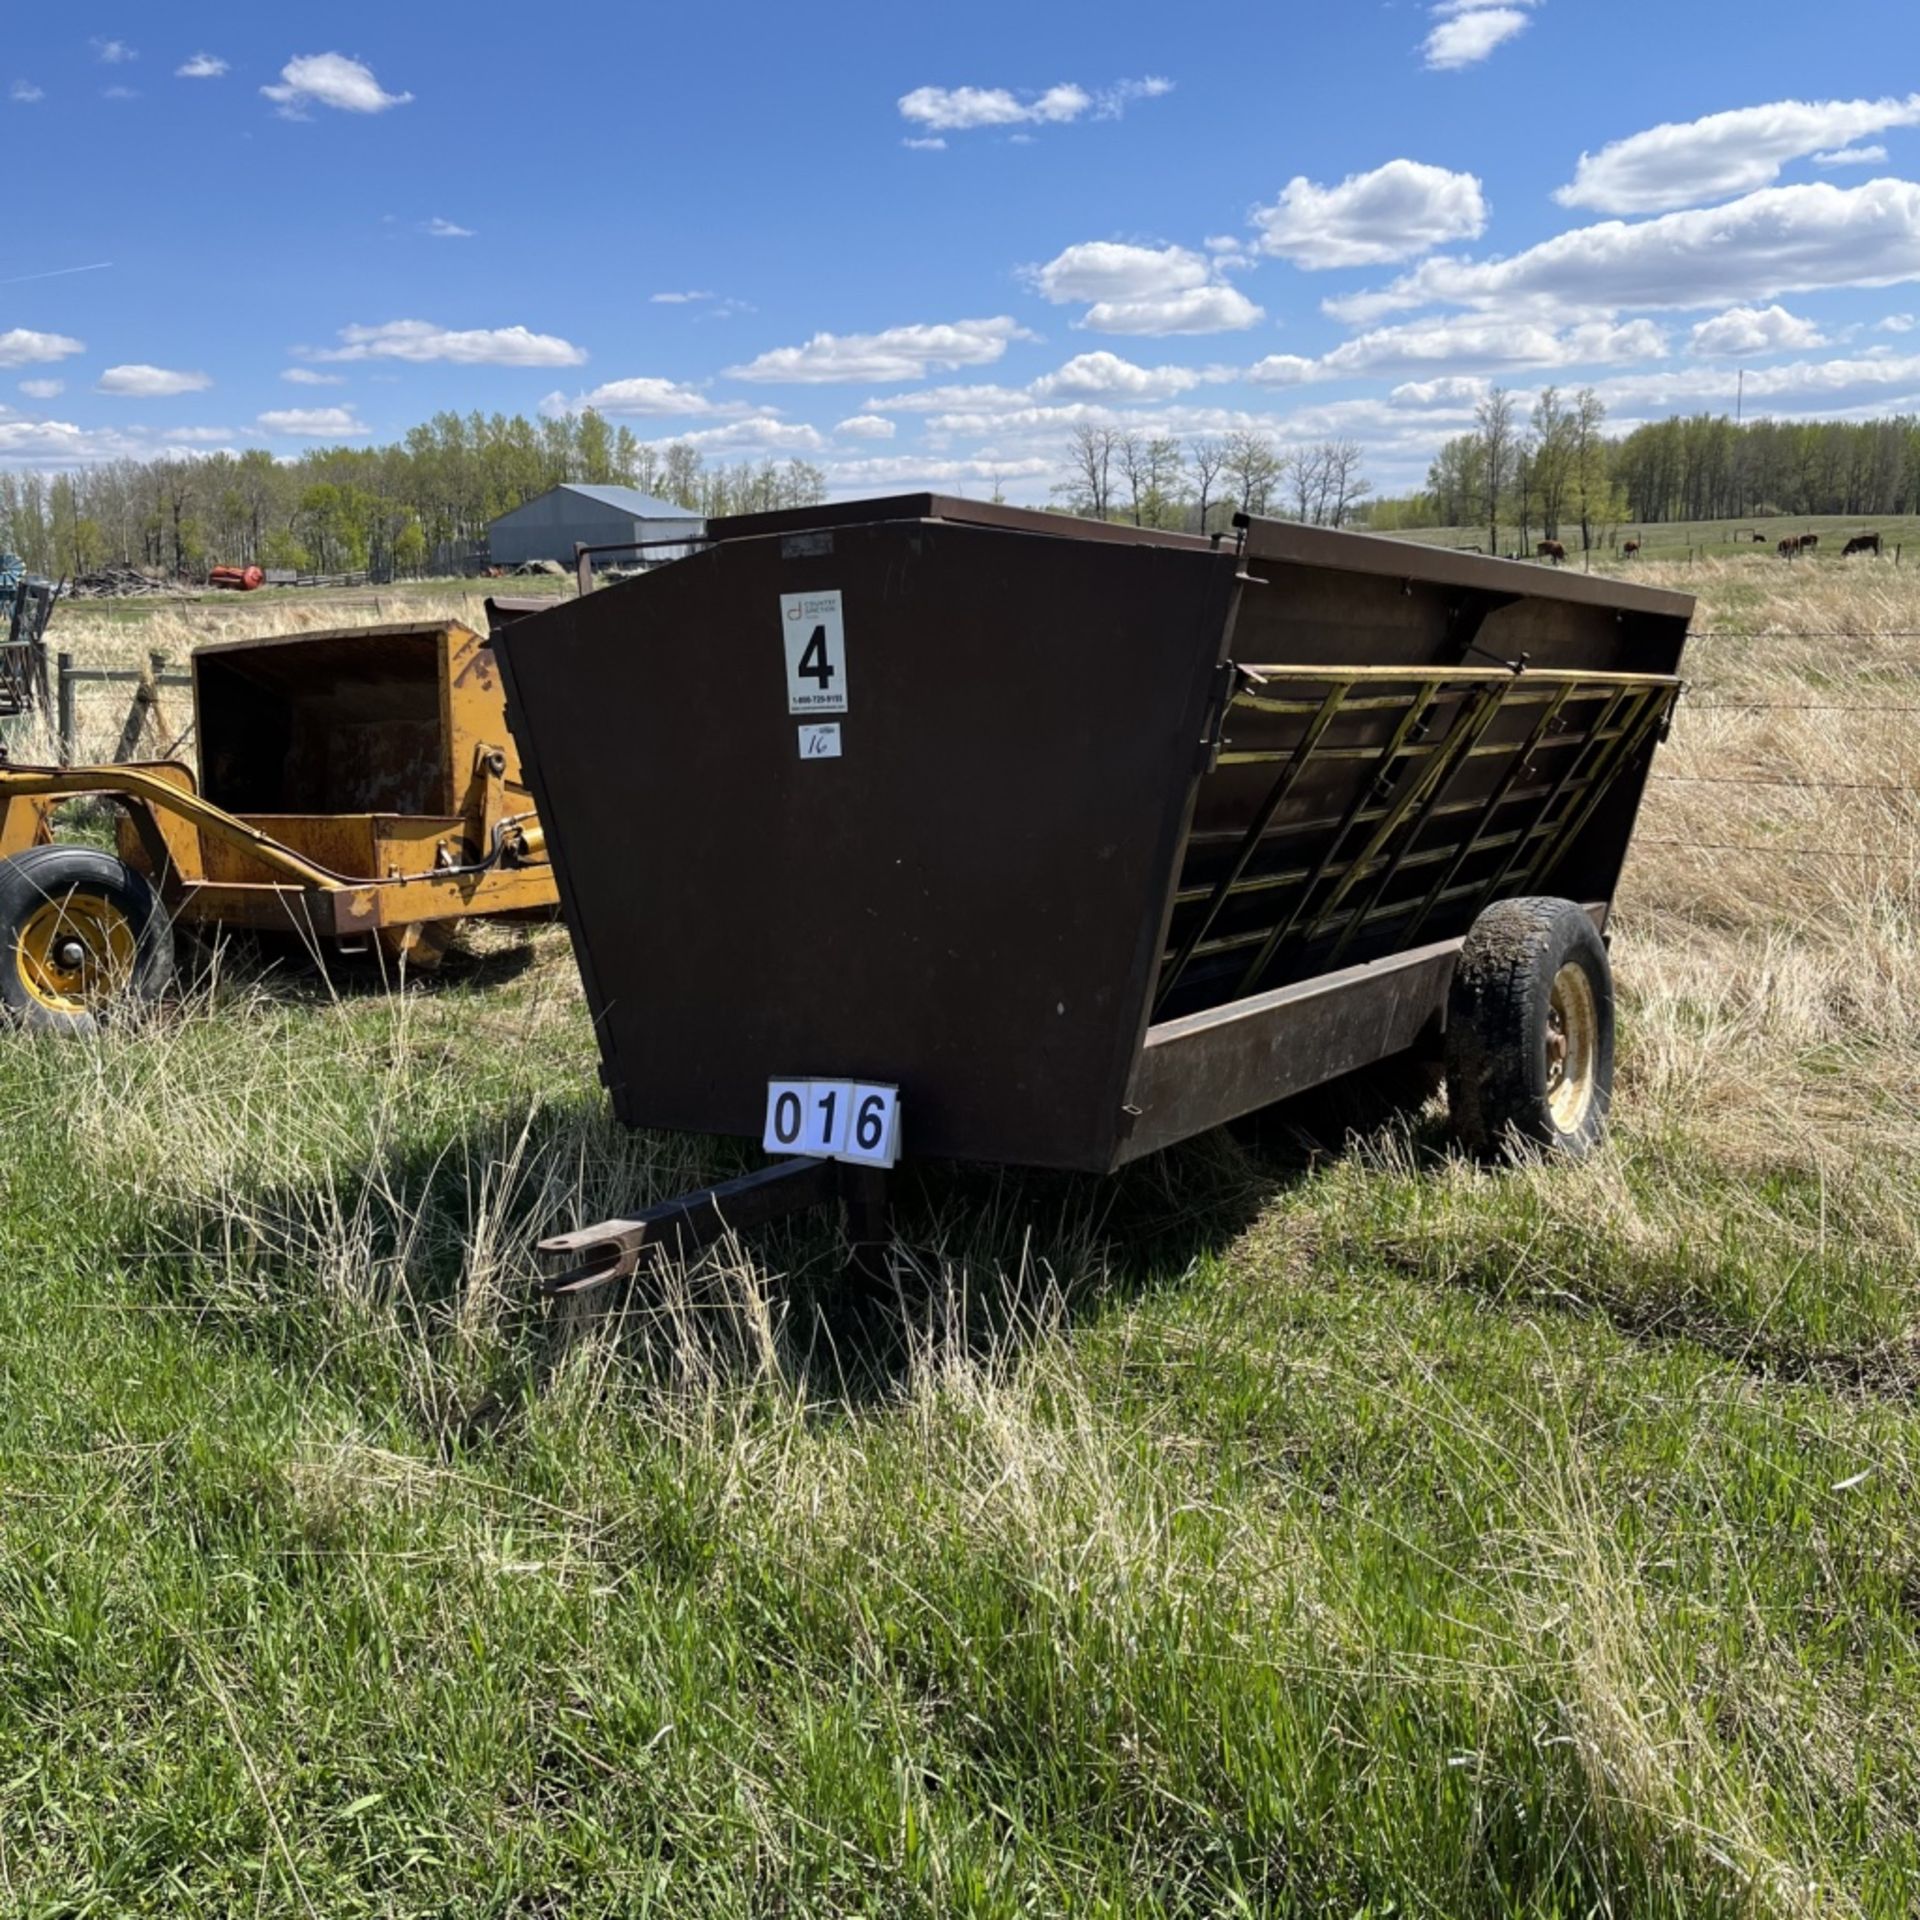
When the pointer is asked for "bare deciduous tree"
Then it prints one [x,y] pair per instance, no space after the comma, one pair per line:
[1494,417]
[1255,470]
[1088,490]
[1208,460]
[1130,450]
[1327,483]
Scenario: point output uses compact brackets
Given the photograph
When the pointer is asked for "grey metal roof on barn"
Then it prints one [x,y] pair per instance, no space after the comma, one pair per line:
[643,506]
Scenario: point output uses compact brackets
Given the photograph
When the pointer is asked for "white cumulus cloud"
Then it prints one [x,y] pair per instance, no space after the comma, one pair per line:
[1880,382]
[1450,391]
[1114,270]
[421,341]
[941,110]
[114,53]
[1103,375]
[43,389]
[1284,370]
[141,382]
[21,346]
[26,93]
[957,109]
[1143,290]
[1780,240]
[1747,330]
[1489,341]
[1468,31]
[1215,309]
[1896,323]
[896,353]
[307,377]
[1868,156]
[866,426]
[762,433]
[1683,163]
[203,66]
[446,230]
[330,80]
[644,396]
[1373,219]
[313,423]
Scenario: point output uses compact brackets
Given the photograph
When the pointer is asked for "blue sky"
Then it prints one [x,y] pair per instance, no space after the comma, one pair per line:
[918,246]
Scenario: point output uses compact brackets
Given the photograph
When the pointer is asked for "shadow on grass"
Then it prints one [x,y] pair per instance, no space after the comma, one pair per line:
[413,1281]
[296,972]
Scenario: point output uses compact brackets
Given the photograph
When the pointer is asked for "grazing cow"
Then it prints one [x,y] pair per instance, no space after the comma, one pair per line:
[1790,548]
[1808,541]
[1630,550]
[1553,550]
[1759,539]
[1863,543]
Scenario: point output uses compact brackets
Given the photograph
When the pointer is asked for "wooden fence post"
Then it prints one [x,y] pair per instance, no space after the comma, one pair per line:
[66,710]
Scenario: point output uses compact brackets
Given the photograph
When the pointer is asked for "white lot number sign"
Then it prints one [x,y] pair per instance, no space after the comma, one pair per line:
[834,1120]
[816,639]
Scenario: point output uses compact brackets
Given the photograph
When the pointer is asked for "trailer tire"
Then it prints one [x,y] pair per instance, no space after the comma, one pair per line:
[1530,1021]
[79,933]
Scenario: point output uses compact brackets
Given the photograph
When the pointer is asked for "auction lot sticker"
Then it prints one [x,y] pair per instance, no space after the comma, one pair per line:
[816,652]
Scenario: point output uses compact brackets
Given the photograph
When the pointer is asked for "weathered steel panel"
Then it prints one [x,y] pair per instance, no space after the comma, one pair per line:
[1084,778]
[963,901]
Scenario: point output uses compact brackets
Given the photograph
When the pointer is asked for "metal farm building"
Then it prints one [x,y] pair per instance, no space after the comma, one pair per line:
[550,527]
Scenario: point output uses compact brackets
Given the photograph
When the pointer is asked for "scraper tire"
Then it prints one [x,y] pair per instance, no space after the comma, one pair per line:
[81,934]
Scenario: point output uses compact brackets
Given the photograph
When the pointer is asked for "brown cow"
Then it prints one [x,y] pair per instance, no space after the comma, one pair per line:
[1630,550]
[1553,550]
[1789,548]
[1863,543]
[1759,539]
[1808,541]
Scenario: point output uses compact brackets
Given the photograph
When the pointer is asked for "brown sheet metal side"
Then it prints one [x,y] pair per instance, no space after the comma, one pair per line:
[1232,1060]
[966,902]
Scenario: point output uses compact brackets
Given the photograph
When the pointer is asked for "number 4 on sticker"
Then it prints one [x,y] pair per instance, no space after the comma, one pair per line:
[814,663]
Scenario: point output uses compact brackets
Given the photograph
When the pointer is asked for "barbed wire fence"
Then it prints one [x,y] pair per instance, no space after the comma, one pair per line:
[1787,783]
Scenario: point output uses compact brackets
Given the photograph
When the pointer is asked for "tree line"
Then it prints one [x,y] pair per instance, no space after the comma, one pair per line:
[1554,472]
[421,504]
[1707,467]
[1156,480]
[1546,472]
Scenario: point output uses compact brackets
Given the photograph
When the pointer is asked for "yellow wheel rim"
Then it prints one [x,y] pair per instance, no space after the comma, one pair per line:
[1573,1047]
[76,952]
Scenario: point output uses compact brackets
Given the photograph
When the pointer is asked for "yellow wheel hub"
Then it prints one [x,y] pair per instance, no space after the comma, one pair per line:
[1573,1048]
[75,952]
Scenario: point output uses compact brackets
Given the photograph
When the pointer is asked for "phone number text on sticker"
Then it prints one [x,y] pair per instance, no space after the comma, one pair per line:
[815,632]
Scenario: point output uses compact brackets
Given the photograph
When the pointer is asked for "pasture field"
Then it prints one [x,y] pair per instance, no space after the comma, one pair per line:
[1690,542]
[1303,1524]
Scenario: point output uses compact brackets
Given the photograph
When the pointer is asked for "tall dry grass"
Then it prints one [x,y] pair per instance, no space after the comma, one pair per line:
[1359,1532]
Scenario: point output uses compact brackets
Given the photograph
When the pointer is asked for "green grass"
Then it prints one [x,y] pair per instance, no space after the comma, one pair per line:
[1269,1531]
[1303,1523]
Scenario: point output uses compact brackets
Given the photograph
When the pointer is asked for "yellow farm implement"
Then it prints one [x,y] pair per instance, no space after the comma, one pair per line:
[358,789]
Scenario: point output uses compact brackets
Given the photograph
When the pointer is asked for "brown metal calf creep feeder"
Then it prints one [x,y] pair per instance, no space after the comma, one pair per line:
[1013,838]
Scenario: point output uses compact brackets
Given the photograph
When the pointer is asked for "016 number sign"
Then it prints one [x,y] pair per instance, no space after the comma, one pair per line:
[834,1120]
